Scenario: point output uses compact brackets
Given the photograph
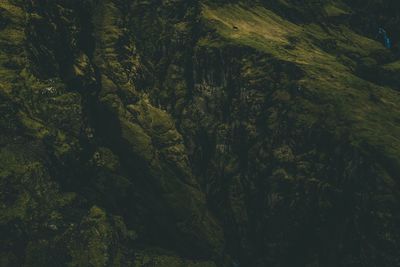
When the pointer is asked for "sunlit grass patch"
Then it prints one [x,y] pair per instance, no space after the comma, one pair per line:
[328,56]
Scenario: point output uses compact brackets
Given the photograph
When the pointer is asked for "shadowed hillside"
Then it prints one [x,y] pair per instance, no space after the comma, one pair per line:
[199,133]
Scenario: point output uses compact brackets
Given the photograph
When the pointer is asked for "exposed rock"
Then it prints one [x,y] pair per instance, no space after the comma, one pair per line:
[198,133]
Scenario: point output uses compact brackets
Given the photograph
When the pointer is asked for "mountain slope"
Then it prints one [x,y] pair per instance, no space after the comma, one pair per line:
[198,133]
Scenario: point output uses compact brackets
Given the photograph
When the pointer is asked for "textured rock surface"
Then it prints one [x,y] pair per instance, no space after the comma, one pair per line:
[199,133]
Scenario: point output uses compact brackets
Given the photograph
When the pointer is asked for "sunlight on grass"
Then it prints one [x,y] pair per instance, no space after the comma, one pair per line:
[333,10]
[333,80]
[259,22]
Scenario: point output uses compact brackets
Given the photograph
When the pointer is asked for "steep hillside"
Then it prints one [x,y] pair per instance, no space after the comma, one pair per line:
[199,133]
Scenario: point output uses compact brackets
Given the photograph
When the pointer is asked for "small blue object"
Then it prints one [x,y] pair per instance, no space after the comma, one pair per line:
[386,39]
[388,43]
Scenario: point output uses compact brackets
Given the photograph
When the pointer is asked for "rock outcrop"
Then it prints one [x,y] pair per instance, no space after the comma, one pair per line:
[198,133]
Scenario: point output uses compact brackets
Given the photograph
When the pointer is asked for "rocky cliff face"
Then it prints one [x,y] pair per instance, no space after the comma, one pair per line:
[199,133]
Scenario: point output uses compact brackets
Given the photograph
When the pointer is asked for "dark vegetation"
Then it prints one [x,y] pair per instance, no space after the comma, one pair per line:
[199,133]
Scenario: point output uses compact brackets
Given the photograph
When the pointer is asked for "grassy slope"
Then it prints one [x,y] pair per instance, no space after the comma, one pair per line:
[330,76]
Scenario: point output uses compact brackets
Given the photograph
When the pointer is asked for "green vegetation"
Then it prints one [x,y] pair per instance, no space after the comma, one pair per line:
[333,9]
[199,134]
[327,76]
